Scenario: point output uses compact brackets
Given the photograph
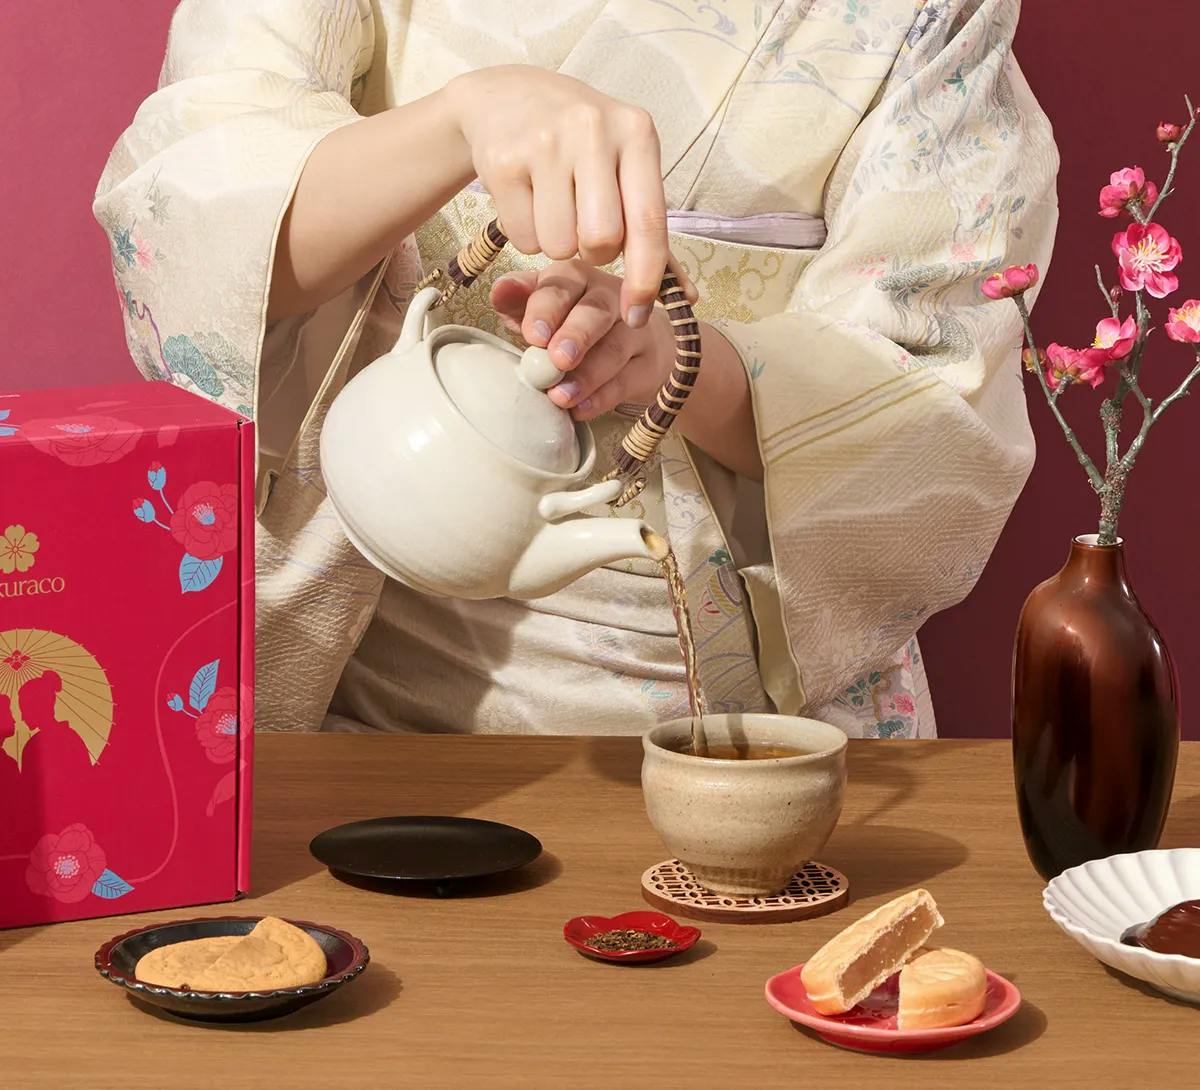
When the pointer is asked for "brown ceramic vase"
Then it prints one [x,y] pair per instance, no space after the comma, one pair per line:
[1095,715]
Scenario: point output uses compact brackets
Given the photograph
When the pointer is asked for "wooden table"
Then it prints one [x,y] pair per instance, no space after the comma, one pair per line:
[482,991]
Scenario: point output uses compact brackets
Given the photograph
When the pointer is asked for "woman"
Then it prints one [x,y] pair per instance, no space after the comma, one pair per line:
[836,177]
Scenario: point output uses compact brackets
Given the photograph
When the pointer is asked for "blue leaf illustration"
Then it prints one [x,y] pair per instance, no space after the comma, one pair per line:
[197,574]
[144,511]
[157,476]
[110,886]
[175,703]
[5,414]
[203,684]
[123,245]
[8,431]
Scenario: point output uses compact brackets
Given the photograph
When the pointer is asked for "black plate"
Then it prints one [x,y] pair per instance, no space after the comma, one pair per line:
[441,850]
[345,957]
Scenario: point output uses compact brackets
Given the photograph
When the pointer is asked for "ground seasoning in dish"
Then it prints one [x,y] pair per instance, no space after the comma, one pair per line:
[625,939]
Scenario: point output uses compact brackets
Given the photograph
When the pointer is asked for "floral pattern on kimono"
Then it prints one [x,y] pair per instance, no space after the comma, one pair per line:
[887,398]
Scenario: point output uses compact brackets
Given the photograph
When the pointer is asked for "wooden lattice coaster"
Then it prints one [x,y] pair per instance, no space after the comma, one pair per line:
[814,890]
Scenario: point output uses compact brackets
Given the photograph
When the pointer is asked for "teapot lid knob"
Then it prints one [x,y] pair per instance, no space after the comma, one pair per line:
[537,369]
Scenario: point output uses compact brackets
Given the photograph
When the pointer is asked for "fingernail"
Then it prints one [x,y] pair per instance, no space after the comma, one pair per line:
[638,317]
[569,389]
[569,349]
[542,330]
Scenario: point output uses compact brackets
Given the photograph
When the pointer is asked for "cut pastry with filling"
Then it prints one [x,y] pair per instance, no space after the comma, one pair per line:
[941,988]
[851,965]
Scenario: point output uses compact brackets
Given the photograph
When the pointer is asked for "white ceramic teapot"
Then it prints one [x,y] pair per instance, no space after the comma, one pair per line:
[453,472]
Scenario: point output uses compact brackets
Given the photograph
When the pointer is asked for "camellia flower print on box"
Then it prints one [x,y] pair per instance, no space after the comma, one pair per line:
[1095,695]
[126,651]
[70,866]
[204,521]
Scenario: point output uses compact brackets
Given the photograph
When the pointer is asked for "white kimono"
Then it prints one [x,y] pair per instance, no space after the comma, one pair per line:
[841,176]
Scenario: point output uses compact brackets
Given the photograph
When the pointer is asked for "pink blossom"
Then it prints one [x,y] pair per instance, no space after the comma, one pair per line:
[67,865]
[142,251]
[1015,280]
[205,520]
[1146,254]
[217,726]
[83,440]
[1168,132]
[1183,323]
[1071,365]
[1126,186]
[1115,338]
[903,704]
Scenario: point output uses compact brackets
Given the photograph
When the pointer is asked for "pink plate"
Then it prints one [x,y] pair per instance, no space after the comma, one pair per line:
[579,930]
[871,1026]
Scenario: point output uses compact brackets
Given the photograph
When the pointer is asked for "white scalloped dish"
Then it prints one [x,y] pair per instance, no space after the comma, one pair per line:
[1095,904]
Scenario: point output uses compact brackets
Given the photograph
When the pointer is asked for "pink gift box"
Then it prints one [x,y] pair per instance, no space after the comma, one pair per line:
[126,651]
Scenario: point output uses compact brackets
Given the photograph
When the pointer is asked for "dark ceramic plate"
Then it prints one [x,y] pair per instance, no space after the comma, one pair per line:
[439,850]
[345,957]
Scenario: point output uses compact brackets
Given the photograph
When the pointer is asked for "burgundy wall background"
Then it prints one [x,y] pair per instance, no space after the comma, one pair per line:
[73,72]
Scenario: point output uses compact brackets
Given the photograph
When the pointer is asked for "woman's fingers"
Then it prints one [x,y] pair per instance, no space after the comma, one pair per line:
[510,295]
[513,196]
[606,397]
[554,211]
[559,288]
[589,321]
[639,174]
[602,365]
[601,225]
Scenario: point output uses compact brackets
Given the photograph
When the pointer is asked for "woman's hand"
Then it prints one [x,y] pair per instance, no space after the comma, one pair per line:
[571,171]
[573,311]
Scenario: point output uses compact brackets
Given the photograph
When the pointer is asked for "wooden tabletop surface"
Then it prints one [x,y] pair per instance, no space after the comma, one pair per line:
[482,990]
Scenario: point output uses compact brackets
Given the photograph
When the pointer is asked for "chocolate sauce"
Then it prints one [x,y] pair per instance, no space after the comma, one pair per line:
[1175,931]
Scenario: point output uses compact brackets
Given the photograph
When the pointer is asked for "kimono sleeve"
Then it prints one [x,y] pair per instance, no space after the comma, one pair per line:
[888,397]
[194,191]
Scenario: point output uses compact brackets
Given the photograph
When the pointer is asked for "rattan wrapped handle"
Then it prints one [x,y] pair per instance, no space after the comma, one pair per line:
[649,429]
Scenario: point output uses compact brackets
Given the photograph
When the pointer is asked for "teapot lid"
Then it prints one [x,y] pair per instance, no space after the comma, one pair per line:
[504,399]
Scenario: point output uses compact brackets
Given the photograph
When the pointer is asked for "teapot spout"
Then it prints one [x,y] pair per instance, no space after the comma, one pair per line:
[563,551]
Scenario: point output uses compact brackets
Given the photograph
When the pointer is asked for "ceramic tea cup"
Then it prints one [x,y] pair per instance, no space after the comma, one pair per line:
[743,827]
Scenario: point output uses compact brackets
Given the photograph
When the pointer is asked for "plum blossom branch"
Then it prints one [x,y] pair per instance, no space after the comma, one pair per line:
[1181,390]
[1176,147]
[1109,298]
[1147,256]
[1089,466]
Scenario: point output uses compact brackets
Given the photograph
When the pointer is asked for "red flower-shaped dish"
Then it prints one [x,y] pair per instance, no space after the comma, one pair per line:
[579,931]
[871,1026]
[345,958]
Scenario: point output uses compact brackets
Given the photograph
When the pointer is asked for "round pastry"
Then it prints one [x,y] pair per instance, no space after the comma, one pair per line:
[941,988]
[179,963]
[275,954]
[851,965]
